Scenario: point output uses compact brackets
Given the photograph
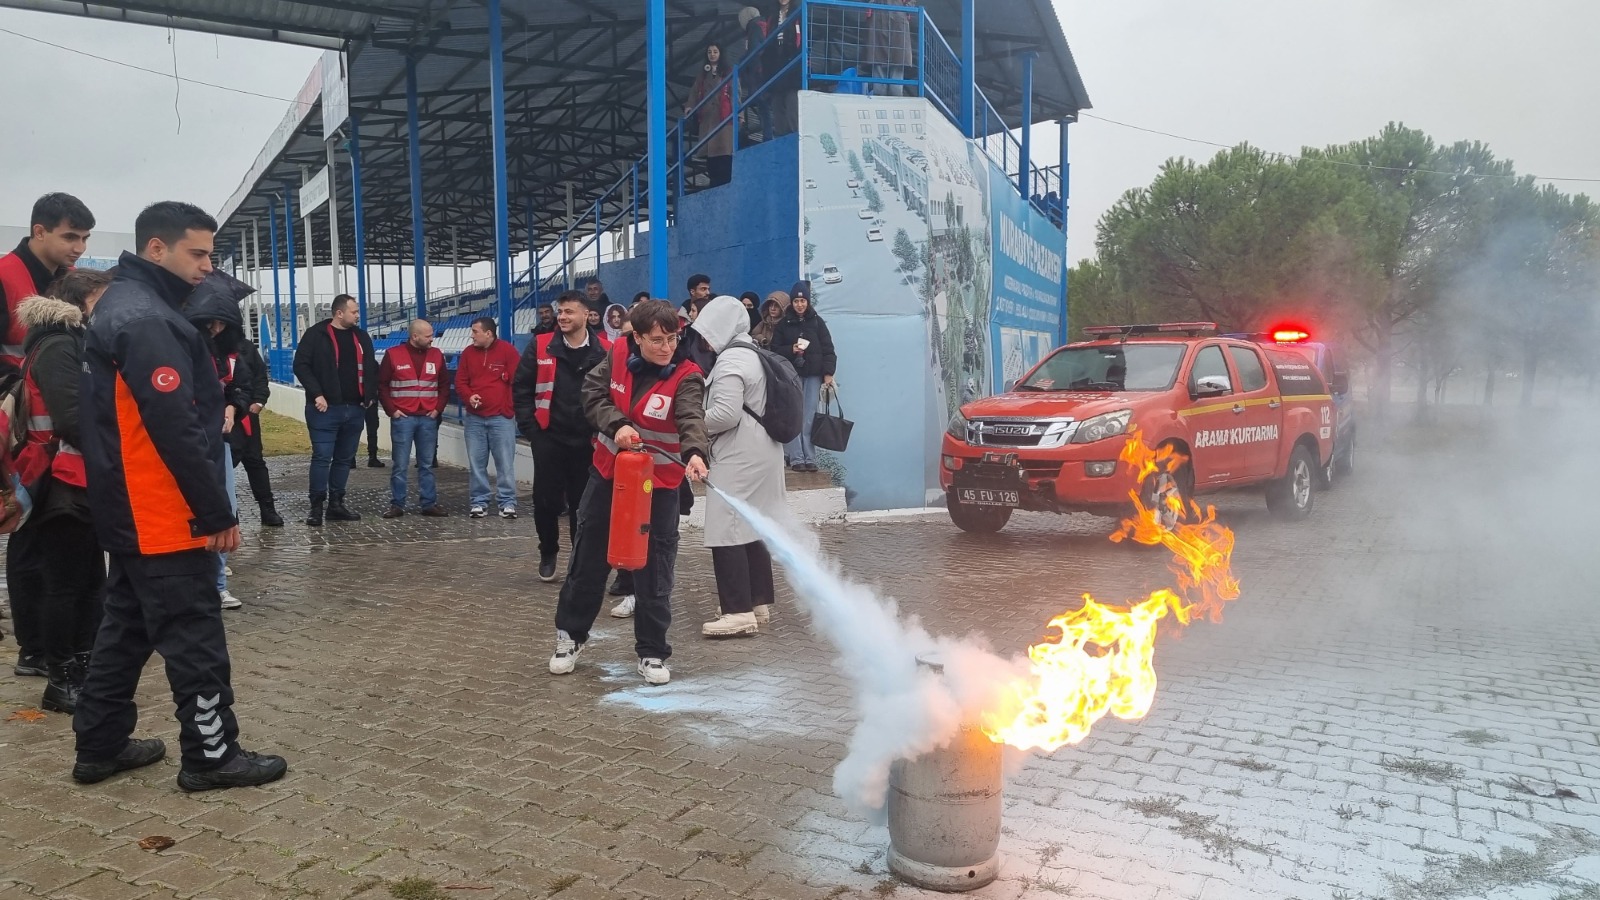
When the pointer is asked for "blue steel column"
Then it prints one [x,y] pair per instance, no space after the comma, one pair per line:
[354,146]
[277,296]
[1066,182]
[969,67]
[1025,168]
[502,193]
[288,242]
[419,248]
[657,77]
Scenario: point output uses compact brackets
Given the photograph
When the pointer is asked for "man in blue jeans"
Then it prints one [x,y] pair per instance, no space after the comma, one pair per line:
[339,372]
[483,382]
[414,390]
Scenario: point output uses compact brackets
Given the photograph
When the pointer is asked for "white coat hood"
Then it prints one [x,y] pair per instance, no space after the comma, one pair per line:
[722,320]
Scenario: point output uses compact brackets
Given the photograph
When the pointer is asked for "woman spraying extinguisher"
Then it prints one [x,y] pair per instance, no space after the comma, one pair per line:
[638,400]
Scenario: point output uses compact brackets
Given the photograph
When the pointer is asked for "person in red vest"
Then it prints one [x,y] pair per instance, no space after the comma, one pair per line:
[58,233]
[414,388]
[70,570]
[483,382]
[548,396]
[638,398]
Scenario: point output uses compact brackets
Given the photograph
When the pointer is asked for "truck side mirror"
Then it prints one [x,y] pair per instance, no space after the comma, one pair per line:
[1210,386]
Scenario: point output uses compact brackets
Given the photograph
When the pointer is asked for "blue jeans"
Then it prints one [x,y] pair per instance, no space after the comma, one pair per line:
[800,450]
[233,504]
[423,431]
[335,434]
[492,436]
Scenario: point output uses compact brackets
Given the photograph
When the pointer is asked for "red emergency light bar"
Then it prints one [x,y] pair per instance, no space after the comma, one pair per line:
[1291,335]
[1161,328]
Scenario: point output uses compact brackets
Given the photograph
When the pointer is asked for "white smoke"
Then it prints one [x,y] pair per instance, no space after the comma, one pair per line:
[904,711]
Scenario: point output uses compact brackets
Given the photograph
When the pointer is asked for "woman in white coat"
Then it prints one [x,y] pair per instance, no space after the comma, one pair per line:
[746,463]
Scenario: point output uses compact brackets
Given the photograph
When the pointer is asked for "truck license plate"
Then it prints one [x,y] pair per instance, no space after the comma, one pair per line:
[985,497]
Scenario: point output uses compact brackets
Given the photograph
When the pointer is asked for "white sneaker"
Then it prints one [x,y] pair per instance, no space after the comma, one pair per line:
[508,512]
[654,671]
[565,659]
[624,607]
[730,625]
[478,512]
[228,571]
[764,613]
[229,601]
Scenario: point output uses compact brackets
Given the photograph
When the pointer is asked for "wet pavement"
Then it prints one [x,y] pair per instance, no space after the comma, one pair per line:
[1403,704]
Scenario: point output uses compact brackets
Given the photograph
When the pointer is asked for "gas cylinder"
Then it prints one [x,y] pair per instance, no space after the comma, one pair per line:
[631,484]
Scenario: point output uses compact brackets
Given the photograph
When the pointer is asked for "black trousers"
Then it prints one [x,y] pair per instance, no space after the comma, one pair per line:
[73,573]
[560,475]
[744,576]
[167,604]
[372,431]
[585,587]
[719,169]
[25,587]
[249,454]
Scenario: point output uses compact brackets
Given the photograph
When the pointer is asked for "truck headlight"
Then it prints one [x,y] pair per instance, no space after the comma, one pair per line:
[1101,427]
[958,427]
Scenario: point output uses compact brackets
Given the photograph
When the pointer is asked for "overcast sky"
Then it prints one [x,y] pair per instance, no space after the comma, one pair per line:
[1280,73]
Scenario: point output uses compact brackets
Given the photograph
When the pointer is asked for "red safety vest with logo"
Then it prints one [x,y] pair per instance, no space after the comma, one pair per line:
[17,282]
[416,384]
[544,385]
[653,417]
[43,452]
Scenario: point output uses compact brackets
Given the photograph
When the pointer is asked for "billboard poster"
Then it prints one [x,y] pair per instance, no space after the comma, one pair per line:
[1025,319]
[904,222]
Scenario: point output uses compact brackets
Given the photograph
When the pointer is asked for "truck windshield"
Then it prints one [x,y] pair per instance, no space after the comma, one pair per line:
[1123,367]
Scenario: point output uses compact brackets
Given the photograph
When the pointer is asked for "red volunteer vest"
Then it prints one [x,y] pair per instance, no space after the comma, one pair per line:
[414,385]
[18,284]
[544,385]
[44,452]
[653,417]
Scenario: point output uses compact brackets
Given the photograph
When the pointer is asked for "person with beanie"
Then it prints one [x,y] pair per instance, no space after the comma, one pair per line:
[803,339]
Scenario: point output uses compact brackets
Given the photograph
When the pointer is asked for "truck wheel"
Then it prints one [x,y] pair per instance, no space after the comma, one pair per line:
[1345,466]
[1156,488]
[1291,496]
[979,519]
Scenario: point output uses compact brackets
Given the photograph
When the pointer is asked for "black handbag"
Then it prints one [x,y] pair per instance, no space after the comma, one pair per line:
[828,431]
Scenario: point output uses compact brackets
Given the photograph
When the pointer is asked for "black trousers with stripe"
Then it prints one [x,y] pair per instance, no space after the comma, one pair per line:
[169,605]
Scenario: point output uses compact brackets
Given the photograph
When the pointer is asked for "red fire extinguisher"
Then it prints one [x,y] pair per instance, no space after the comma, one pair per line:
[632,482]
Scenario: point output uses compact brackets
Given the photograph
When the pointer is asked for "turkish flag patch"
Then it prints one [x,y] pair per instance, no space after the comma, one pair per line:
[165,379]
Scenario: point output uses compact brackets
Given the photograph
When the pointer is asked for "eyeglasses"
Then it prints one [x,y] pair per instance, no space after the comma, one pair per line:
[666,341]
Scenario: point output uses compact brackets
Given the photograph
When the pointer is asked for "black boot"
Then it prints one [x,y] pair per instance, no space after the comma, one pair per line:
[269,514]
[61,693]
[373,462]
[338,512]
[314,518]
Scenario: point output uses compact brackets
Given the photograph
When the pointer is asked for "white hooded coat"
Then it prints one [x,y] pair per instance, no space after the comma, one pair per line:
[745,461]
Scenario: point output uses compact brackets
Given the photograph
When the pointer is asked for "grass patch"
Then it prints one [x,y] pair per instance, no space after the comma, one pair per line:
[416,889]
[886,887]
[1221,842]
[1051,886]
[283,436]
[1252,765]
[1478,737]
[1508,867]
[1417,767]
[1346,812]
[692,833]
[562,883]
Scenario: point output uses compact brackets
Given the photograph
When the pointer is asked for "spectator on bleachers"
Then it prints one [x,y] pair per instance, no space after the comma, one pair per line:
[780,52]
[483,382]
[547,320]
[713,95]
[889,48]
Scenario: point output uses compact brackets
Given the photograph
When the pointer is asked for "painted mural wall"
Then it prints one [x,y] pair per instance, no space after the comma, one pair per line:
[938,282]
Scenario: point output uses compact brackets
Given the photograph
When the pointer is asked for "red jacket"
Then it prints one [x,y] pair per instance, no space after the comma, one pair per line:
[413,383]
[488,373]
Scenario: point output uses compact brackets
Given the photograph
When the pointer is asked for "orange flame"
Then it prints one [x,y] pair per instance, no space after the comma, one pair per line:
[1102,659]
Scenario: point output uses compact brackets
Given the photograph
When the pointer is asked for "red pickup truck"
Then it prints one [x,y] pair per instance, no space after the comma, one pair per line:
[1243,413]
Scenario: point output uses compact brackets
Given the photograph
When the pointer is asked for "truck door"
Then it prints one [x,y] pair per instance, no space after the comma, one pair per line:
[1208,417]
[1258,414]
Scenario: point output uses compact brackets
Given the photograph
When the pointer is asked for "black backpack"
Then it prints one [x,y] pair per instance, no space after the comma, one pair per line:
[785,402]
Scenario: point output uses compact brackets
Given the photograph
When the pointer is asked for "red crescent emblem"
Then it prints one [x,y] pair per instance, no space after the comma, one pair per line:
[165,379]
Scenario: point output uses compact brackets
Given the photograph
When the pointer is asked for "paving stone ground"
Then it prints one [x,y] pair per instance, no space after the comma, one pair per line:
[1403,704]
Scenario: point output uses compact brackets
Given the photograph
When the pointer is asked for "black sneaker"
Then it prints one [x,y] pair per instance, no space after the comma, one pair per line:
[245,770]
[136,755]
[375,463]
[31,664]
[547,569]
